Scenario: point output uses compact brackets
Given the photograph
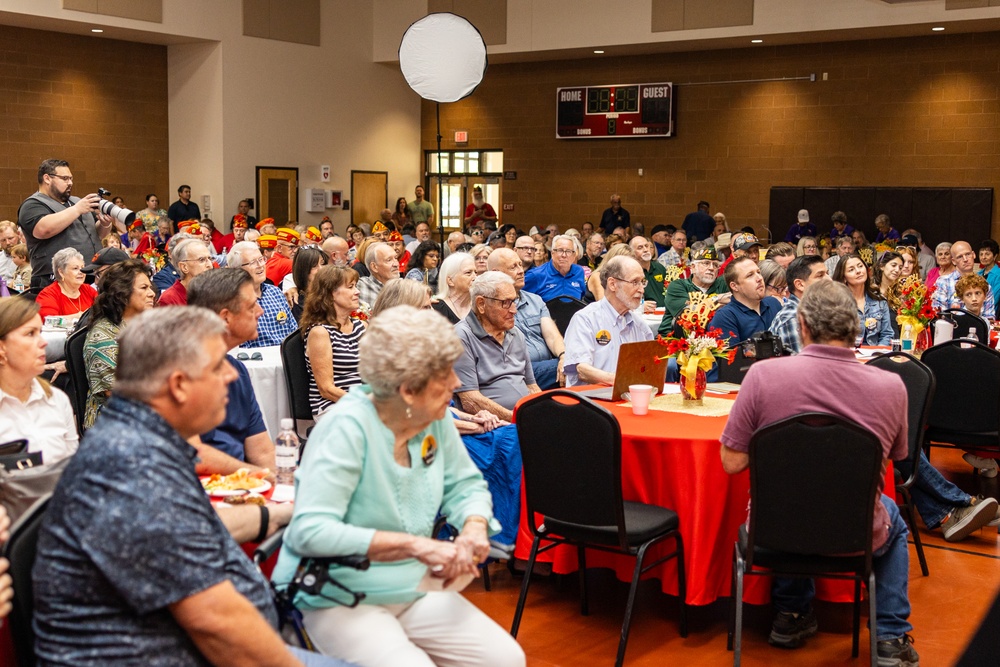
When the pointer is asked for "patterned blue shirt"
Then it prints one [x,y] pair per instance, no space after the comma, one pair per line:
[129,532]
[945,297]
[277,322]
[528,319]
[786,325]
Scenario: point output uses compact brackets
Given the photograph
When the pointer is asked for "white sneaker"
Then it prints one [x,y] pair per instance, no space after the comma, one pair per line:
[987,467]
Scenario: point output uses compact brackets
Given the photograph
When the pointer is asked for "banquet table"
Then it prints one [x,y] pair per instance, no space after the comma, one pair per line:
[672,460]
[268,379]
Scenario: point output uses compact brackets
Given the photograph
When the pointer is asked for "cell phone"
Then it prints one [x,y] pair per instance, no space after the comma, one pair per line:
[14,447]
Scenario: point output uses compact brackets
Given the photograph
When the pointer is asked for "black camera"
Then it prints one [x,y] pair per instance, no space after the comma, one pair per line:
[762,345]
[103,193]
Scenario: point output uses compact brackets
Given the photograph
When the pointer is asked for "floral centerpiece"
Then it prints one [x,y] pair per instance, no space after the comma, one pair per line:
[916,311]
[699,346]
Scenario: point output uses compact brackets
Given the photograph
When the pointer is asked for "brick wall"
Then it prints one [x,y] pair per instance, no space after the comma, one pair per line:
[100,104]
[894,112]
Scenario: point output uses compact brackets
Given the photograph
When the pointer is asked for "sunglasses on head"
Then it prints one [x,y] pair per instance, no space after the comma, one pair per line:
[256,356]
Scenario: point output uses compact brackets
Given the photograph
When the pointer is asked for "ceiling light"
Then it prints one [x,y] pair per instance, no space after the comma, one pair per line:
[938,29]
[96,30]
[756,41]
[598,51]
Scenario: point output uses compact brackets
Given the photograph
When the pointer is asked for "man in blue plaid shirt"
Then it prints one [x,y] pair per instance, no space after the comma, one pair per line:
[802,272]
[277,321]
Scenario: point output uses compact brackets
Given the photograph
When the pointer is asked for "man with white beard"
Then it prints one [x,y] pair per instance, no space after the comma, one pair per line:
[479,211]
[655,272]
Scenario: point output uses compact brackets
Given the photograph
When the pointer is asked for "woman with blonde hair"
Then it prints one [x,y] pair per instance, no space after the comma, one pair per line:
[911,262]
[480,253]
[594,282]
[807,246]
[360,255]
[331,330]
[458,272]
[30,408]
[402,293]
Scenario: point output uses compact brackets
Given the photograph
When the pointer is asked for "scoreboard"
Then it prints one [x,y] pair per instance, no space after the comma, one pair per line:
[620,111]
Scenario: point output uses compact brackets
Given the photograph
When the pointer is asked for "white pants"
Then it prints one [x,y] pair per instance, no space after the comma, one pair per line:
[442,629]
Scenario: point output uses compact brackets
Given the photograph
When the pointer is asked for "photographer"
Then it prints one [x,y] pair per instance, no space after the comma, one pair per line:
[53,220]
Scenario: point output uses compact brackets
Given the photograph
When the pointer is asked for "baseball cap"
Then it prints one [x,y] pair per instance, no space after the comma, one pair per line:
[536,230]
[708,253]
[803,215]
[909,241]
[659,228]
[106,257]
[744,241]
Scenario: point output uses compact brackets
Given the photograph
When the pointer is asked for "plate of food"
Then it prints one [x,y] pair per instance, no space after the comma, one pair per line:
[238,483]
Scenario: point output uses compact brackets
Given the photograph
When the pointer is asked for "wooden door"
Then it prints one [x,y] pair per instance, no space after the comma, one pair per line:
[278,194]
[369,195]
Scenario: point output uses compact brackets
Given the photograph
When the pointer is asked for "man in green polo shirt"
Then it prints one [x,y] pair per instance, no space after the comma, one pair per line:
[705,279]
[655,272]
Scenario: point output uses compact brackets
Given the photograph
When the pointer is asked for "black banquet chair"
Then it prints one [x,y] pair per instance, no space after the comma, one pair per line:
[20,550]
[964,321]
[293,363]
[77,371]
[571,451]
[920,386]
[562,309]
[965,412]
[813,484]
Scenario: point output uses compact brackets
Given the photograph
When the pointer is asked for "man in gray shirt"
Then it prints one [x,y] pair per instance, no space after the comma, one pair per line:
[53,220]
[494,369]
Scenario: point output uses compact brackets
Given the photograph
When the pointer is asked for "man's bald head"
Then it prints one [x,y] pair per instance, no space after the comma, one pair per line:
[963,257]
[455,239]
[336,249]
[507,261]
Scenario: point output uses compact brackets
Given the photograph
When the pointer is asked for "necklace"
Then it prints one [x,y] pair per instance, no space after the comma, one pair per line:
[77,302]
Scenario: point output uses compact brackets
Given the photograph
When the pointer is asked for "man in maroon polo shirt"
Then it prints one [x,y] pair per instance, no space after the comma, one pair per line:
[826,377]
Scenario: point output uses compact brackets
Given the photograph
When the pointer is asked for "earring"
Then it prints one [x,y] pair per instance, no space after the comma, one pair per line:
[409,412]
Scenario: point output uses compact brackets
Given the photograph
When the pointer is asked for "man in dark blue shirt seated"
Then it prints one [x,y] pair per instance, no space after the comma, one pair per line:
[134,565]
[749,311]
[698,224]
[242,436]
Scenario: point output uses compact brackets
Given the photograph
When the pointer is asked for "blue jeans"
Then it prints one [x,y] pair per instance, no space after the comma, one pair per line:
[892,569]
[310,659]
[933,495]
[545,373]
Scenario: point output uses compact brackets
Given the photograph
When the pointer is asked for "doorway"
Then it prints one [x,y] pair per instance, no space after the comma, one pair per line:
[278,194]
[369,195]
[456,173]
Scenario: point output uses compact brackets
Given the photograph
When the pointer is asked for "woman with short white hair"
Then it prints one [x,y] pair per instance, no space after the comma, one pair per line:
[379,465]
[457,273]
[68,295]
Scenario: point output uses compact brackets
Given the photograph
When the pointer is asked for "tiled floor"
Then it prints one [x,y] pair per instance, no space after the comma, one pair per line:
[947,608]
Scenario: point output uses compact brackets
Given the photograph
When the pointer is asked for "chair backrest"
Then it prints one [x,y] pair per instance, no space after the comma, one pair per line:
[920,387]
[571,453]
[20,550]
[562,309]
[813,483]
[293,362]
[77,369]
[964,320]
[967,399]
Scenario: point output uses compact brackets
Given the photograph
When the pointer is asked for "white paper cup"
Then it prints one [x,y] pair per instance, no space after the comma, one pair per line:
[640,395]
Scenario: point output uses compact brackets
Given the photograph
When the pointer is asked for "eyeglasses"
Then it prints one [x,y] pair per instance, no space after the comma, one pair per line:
[67,179]
[260,261]
[526,248]
[779,288]
[505,304]
[256,356]
[563,251]
[637,283]
[202,260]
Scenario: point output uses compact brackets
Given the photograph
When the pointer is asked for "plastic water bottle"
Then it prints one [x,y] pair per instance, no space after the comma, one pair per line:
[906,340]
[286,452]
[18,283]
[971,336]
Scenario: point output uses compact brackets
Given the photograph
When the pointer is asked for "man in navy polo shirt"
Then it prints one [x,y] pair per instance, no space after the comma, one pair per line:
[242,436]
[560,276]
[749,311]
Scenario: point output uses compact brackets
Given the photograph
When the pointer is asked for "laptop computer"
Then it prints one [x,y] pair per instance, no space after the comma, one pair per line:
[736,371]
[636,365]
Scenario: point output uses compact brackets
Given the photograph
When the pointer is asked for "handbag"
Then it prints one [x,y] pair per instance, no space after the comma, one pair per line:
[21,488]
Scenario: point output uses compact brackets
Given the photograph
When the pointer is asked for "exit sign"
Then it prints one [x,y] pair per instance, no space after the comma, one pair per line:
[461,136]
[508,207]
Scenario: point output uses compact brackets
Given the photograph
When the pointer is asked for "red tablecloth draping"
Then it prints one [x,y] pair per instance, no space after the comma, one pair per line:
[672,460]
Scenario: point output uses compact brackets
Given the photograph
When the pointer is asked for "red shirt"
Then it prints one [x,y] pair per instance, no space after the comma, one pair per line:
[278,267]
[175,295]
[487,211]
[52,301]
